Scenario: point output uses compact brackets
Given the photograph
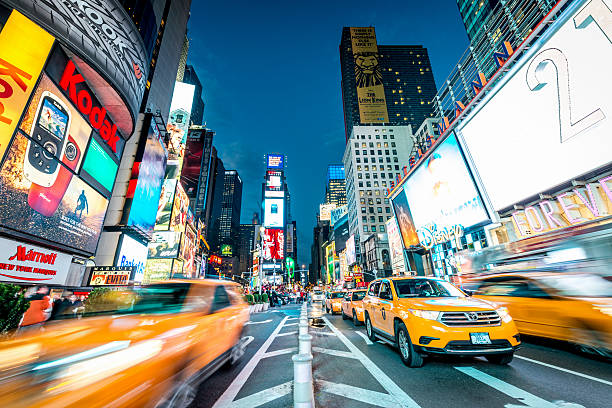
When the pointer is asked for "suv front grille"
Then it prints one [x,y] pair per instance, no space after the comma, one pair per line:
[460,345]
[484,318]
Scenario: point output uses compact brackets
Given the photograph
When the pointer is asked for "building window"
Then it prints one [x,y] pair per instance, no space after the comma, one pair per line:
[368,184]
[373,228]
[381,219]
[395,160]
[392,137]
[356,144]
[371,209]
[357,152]
[365,228]
[392,144]
[372,152]
[370,201]
[380,152]
[363,210]
[380,159]
[358,160]
[394,151]
[386,201]
[371,144]
[362,201]
[386,152]
[365,152]
[375,175]
[390,175]
[389,159]
[364,219]
[382,175]
[379,209]
[372,218]
[378,201]
[359,175]
[388,210]
[382,228]
[361,184]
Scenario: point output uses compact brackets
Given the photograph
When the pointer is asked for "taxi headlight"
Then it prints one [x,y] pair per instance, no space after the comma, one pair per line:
[426,314]
[504,314]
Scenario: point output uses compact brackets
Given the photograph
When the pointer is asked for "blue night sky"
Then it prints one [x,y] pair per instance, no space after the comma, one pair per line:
[271,77]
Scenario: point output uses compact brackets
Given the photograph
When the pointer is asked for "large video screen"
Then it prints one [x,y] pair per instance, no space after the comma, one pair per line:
[179,209]
[273,244]
[441,191]
[404,220]
[134,254]
[275,161]
[274,216]
[164,244]
[549,121]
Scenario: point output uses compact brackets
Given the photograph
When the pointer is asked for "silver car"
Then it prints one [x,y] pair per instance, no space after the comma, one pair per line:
[317,296]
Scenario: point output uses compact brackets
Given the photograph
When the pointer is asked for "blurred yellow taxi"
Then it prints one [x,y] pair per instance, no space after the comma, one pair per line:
[573,307]
[352,306]
[333,301]
[144,347]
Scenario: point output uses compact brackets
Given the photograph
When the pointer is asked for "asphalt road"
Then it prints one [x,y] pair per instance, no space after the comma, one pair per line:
[350,371]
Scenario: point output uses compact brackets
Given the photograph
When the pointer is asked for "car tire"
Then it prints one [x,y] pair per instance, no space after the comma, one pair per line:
[407,352]
[344,317]
[326,309]
[369,328]
[500,359]
[356,321]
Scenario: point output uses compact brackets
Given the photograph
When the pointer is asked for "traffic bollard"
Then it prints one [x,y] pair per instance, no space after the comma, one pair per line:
[303,395]
[303,326]
[305,342]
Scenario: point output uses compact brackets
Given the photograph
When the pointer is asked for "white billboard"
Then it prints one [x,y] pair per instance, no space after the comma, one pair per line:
[274,216]
[441,192]
[351,257]
[395,245]
[325,211]
[132,253]
[30,264]
[549,120]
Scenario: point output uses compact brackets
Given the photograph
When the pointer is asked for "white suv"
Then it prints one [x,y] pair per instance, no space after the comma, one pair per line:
[317,296]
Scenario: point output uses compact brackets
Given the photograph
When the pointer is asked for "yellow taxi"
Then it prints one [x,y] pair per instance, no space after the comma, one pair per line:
[140,347]
[572,307]
[425,316]
[333,301]
[352,306]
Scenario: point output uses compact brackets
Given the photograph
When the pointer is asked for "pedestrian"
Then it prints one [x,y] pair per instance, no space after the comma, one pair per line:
[39,310]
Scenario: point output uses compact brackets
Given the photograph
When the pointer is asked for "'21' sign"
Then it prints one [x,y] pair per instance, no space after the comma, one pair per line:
[595,12]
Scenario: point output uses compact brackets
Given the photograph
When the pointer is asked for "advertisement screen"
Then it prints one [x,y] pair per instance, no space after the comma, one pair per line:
[275,161]
[395,245]
[133,254]
[188,253]
[404,220]
[164,244]
[325,211]
[337,213]
[179,209]
[68,211]
[25,263]
[549,120]
[351,257]
[178,123]
[368,76]
[441,191]
[273,244]
[146,182]
[165,204]
[100,165]
[274,182]
[157,270]
[110,275]
[274,216]
[25,46]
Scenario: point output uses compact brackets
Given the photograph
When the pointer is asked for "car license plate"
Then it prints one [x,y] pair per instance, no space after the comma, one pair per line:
[480,338]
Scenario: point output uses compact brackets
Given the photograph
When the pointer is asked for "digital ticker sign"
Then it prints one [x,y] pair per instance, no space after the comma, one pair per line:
[275,161]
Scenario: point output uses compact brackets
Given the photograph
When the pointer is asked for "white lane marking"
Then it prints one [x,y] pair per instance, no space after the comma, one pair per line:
[293,318]
[336,353]
[286,334]
[379,399]
[368,341]
[261,322]
[565,370]
[279,352]
[263,397]
[325,333]
[233,389]
[247,340]
[290,324]
[510,390]
[392,388]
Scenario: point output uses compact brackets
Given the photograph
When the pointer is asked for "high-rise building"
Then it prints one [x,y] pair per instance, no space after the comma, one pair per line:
[197,168]
[383,84]
[374,158]
[180,73]
[474,14]
[226,226]
[335,190]
[246,246]
[197,108]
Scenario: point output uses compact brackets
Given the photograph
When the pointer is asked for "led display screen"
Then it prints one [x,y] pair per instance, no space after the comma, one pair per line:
[165,204]
[274,182]
[441,192]
[99,165]
[350,250]
[133,254]
[157,270]
[274,216]
[178,122]
[275,161]
[179,209]
[549,120]
[273,244]
[404,220]
[164,244]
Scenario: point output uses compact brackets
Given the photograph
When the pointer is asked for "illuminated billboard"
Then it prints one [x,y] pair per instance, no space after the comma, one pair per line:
[273,244]
[145,185]
[165,204]
[404,220]
[179,209]
[157,270]
[132,253]
[275,161]
[441,192]
[548,121]
[337,213]
[325,211]
[351,257]
[368,76]
[396,247]
[164,244]
[274,215]
[178,122]
[274,180]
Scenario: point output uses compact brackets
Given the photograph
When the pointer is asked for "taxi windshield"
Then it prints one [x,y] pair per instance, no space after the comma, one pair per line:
[425,288]
[336,295]
[358,295]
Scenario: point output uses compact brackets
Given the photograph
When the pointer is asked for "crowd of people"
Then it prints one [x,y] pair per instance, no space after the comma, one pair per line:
[280,295]
[43,307]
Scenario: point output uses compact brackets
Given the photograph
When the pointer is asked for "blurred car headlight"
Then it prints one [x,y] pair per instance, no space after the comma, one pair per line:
[504,314]
[426,314]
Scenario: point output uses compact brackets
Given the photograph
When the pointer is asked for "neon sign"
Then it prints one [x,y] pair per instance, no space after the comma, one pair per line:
[430,235]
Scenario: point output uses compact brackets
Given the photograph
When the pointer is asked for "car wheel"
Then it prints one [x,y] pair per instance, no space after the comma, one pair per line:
[344,317]
[356,321]
[369,328]
[237,352]
[326,309]
[407,352]
[183,396]
[501,359]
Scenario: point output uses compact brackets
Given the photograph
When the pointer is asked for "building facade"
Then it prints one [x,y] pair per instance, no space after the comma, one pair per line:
[197,167]
[246,247]
[197,108]
[404,71]
[226,212]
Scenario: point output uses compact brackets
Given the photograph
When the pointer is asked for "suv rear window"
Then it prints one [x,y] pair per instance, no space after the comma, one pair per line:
[336,295]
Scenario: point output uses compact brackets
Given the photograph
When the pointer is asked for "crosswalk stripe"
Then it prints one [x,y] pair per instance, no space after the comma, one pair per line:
[286,334]
[263,397]
[279,352]
[336,353]
[565,370]
[379,399]
[510,390]
[368,341]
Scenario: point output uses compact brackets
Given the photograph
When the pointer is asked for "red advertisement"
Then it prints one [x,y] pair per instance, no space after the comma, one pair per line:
[274,244]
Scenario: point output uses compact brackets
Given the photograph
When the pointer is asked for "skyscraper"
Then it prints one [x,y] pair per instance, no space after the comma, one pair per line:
[335,192]
[474,14]
[246,246]
[383,84]
[197,108]
[229,217]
